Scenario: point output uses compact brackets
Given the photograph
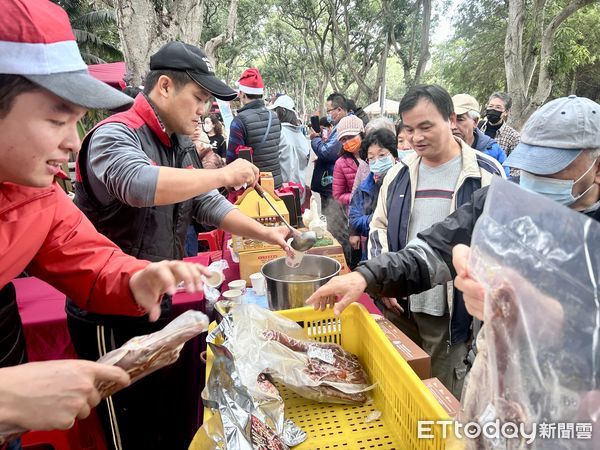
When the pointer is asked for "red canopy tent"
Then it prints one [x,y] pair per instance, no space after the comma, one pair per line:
[110,73]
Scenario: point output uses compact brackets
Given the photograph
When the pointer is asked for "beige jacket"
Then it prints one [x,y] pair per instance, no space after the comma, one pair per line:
[475,164]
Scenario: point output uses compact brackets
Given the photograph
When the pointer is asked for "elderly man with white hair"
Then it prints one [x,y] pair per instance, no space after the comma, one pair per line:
[465,128]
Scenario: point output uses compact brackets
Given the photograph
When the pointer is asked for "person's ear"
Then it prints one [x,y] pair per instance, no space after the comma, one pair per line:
[597,176]
[452,120]
[165,86]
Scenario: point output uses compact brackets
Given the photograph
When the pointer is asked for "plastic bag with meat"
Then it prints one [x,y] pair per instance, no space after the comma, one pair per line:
[265,342]
[241,421]
[142,355]
[328,365]
[538,358]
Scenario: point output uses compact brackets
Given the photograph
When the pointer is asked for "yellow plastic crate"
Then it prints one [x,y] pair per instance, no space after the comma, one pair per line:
[400,395]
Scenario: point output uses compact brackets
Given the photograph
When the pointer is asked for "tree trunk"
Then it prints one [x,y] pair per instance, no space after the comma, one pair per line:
[145,26]
[409,53]
[303,91]
[424,54]
[226,37]
[513,59]
[380,79]
[321,97]
[140,33]
[517,74]
[573,89]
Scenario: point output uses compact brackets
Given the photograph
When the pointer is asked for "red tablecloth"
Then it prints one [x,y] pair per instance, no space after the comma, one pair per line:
[42,310]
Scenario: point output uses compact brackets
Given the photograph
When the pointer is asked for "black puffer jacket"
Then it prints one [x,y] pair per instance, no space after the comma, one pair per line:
[263,133]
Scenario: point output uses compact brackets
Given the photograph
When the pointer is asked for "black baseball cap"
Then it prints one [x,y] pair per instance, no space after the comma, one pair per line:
[190,59]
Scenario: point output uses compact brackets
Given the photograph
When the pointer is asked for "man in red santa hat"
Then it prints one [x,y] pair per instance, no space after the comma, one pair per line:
[255,126]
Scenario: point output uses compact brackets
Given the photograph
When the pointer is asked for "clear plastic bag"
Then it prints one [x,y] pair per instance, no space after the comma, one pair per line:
[212,294]
[264,342]
[538,358]
[247,421]
[142,355]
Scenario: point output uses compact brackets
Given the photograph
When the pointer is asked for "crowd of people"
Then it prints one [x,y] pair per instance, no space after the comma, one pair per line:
[401,198]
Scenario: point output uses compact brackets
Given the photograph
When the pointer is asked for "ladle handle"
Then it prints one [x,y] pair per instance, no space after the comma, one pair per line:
[258,188]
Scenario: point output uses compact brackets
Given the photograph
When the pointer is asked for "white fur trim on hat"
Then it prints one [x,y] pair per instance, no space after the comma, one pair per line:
[250,90]
[21,58]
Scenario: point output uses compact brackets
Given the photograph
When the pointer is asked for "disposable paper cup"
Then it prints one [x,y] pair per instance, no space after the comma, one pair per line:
[239,285]
[258,283]
[294,259]
[215,279]
[234,295]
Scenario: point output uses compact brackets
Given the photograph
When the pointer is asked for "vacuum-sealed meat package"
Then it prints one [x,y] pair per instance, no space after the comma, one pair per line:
[142,355]
[263,342]
[538,361]
[242,421]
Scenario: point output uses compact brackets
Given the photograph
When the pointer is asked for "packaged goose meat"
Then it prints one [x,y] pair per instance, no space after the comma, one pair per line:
[142,355]
[264,342]
[538,361]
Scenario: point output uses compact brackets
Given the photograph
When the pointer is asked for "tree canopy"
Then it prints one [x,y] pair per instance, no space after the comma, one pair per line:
[309,48]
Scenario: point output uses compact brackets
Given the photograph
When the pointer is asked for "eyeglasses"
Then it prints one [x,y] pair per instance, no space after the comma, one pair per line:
[332,109]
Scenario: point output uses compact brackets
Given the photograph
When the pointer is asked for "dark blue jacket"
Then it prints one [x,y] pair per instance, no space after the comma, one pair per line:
[490,147]
[327,154]
[362,205]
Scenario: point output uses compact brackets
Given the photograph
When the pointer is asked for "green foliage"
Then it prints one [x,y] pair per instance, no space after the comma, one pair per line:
[95,31]
[577,54]
[309,48]
[472,61]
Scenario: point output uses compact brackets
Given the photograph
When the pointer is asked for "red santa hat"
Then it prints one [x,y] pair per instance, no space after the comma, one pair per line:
[251,82]
[37,42]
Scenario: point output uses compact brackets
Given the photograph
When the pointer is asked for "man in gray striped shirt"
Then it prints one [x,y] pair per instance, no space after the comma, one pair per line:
[419,191]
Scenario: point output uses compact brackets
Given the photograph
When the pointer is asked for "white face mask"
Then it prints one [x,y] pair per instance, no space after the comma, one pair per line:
[208,127]
[404,153]
[380,166]
[560,191]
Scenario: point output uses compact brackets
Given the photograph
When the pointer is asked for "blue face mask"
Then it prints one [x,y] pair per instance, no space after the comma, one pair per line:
[329,118]
[381,165]
[560,191]
[404,153]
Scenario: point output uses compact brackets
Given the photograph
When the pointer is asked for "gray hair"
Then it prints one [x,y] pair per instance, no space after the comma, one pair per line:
[474,115]
[504,97]
[594,153]
[380,122]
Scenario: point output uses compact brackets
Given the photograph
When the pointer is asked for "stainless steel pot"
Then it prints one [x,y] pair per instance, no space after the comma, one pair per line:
[290,287]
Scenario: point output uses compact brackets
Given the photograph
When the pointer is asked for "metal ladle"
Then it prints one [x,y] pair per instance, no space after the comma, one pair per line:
[301,242]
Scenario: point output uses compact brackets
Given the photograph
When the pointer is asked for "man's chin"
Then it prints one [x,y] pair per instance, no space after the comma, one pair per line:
[39,182]
[42,182]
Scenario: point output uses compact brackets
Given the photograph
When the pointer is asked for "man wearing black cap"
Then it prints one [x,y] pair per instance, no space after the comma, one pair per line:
[45,89]
[141,183]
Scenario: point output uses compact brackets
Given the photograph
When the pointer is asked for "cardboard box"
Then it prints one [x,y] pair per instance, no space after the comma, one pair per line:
[450,404]
[253,205]
[414,355]
[252,261]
